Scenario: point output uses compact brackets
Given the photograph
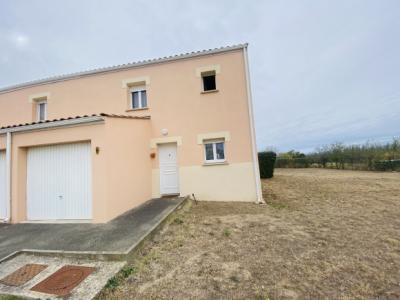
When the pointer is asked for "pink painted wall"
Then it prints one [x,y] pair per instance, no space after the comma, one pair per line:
[174,98]
[123,173]
[128,173]
[117,186]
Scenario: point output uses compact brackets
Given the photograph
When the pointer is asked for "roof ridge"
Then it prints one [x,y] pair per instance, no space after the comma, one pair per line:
[73,75]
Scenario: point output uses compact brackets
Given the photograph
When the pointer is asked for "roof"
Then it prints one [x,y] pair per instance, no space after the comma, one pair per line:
[121,67]
[65,122]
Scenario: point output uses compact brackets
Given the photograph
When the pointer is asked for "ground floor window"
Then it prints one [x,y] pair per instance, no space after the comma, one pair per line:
[214,151]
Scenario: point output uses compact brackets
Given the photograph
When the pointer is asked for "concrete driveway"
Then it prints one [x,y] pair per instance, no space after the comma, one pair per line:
[118,236]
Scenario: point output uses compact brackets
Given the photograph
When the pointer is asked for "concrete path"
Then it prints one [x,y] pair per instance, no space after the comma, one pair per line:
[118,236]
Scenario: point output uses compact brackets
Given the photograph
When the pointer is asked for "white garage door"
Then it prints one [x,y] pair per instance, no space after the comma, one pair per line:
[59,182]
[3,203]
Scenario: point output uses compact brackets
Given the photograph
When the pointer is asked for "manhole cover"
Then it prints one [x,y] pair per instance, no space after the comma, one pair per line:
[64,280]
[23,274]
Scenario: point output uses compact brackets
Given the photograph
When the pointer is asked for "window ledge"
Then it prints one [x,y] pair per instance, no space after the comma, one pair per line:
[215,163]
[136,109]
[209,92]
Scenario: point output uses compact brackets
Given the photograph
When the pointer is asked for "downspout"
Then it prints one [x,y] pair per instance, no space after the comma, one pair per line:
[256,168]
[8,177]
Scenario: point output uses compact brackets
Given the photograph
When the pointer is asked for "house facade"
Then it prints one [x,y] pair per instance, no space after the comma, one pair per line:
[89,146]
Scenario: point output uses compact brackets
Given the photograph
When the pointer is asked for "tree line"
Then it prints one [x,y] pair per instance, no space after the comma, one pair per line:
[368,156]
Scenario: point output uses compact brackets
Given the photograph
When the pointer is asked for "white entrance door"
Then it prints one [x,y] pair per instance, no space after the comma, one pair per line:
[3,203]
[59,182]
[169,181]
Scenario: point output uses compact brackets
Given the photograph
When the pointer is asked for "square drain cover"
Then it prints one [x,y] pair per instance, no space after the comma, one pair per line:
[64,280]
[23,274]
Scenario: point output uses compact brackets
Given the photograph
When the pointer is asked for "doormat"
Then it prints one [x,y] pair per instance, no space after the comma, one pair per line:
[23,274]
[64,280]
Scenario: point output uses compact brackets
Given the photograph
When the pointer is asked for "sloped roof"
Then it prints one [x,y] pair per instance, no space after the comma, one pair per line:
[69,120]
[121,67]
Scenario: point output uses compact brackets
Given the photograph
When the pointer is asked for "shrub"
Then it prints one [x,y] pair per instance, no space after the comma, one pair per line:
[302,162]
[178,221]
[127,271]
[387,165]
[227,232]
[112,283]
[266,162]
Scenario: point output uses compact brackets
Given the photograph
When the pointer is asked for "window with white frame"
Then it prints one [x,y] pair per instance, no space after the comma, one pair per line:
[41,110]
[214,151]
[138,97]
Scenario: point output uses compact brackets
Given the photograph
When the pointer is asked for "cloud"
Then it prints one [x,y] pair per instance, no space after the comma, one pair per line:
[4,59]
[20,40]
[322,71]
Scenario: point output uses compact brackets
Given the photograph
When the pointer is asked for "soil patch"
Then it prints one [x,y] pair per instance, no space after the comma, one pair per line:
[323,234]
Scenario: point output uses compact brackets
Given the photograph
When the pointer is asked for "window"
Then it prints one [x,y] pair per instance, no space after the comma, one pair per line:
[138,97]
[214,151]
[41,110]
[209,81]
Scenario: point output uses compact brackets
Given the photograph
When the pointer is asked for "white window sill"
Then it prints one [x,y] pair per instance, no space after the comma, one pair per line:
[136,109]
[215,163]
[209,92]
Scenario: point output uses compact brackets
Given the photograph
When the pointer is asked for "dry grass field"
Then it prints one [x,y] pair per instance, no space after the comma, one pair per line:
[324,234]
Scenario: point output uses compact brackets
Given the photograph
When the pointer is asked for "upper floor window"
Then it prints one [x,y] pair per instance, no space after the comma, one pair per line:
[214,151]
[41,110]
[39,104]
[138,97]
[209,83]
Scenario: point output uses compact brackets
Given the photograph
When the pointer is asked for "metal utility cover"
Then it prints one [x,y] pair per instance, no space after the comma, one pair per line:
[64,280]
[23,274]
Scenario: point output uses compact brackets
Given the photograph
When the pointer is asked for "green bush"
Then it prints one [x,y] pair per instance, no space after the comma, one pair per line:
[266,162]
[302,162]
[387,165]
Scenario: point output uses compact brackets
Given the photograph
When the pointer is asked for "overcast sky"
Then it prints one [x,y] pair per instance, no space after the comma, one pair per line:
[322,71]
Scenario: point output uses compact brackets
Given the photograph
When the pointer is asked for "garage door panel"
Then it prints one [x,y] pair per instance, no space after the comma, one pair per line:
[3,198]
[59,182]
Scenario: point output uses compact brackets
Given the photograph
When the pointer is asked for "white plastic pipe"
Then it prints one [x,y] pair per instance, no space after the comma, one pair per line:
[8,177]
[256,168]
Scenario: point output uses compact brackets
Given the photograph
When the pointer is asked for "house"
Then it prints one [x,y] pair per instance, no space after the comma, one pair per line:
[89,146]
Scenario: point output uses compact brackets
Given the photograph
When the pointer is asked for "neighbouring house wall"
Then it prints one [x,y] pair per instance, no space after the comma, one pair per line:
[128,164]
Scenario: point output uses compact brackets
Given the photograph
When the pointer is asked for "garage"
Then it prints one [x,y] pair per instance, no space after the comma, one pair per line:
[59,182]
[3,203]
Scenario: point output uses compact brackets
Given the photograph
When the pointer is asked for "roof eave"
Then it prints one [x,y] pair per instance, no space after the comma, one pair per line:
[63,122]
[54,124]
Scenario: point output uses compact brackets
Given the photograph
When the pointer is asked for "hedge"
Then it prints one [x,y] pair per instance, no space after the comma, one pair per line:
[387,165]
[266,162]
[302,162]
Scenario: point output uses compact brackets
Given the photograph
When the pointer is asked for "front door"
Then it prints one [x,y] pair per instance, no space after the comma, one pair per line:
[169,181]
